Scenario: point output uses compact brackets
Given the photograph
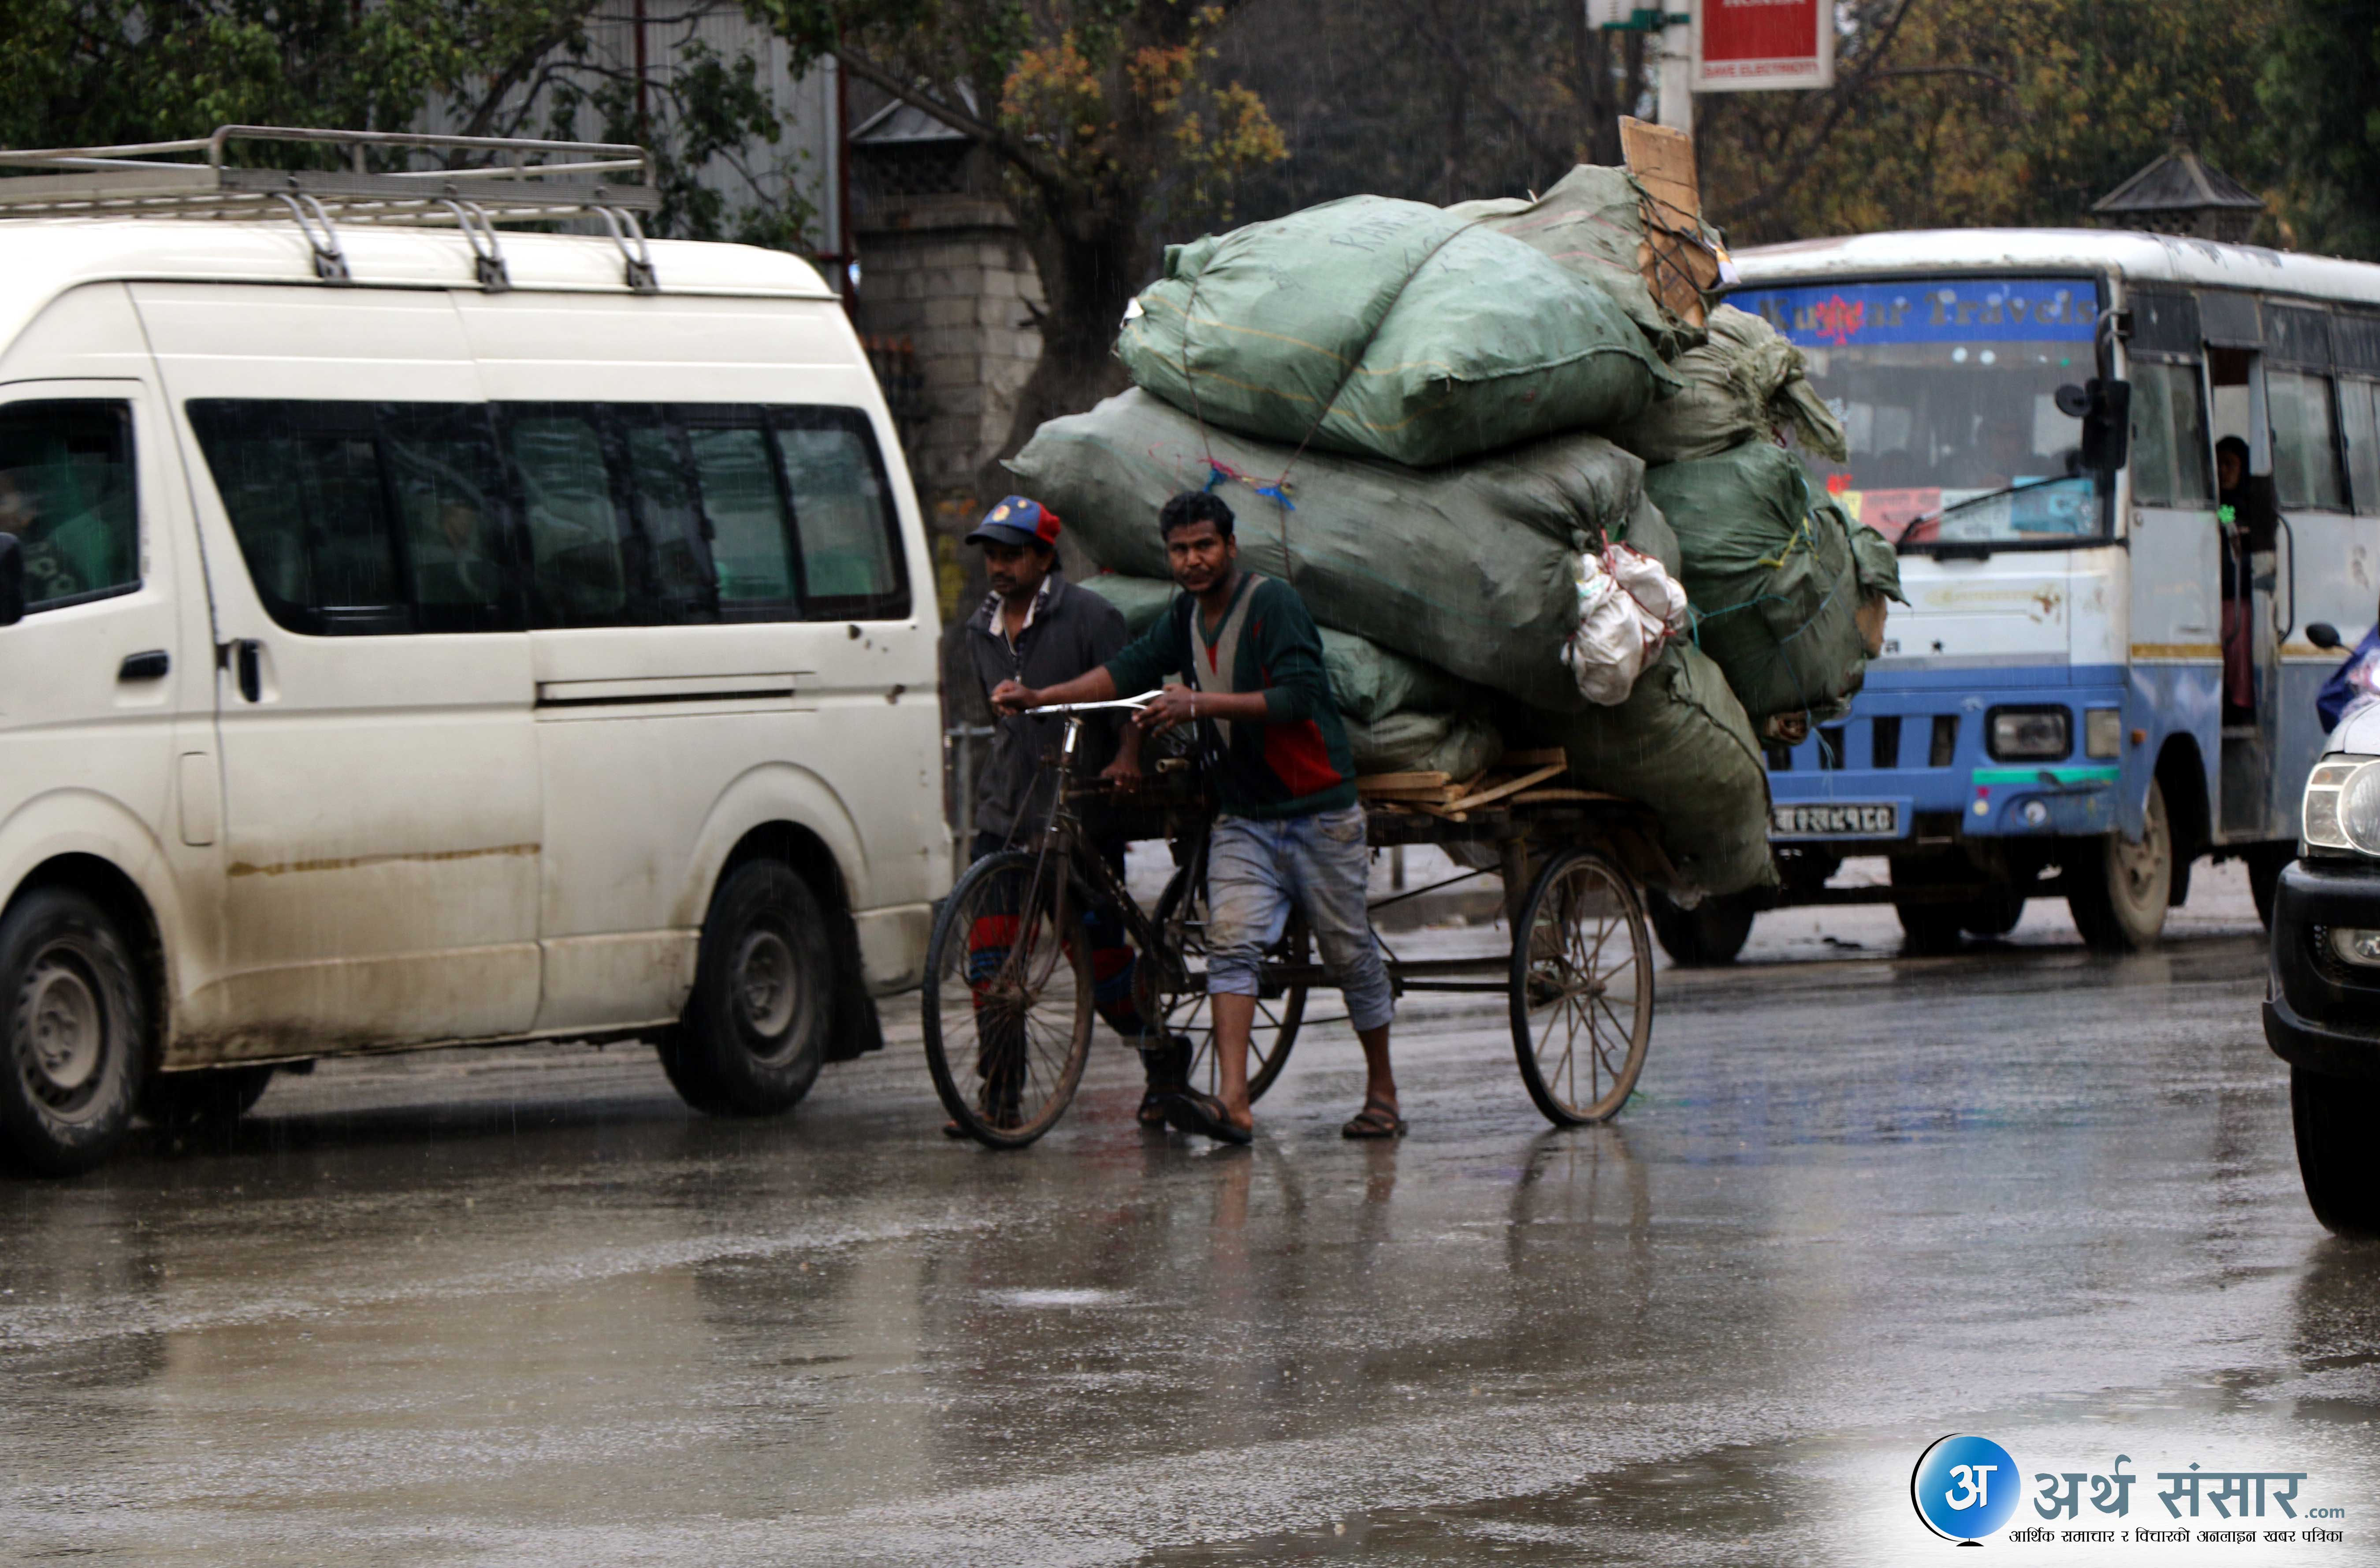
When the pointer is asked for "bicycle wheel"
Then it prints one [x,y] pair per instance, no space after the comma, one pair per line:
[1008,1000]
[1581,990]
[1181,987]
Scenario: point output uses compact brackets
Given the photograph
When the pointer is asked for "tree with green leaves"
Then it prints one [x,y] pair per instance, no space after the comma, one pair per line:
[1986,112]
[75,73]
[2321,97]
[1108,121]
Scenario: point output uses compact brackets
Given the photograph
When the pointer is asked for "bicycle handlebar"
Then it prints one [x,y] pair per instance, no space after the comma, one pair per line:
[1130,704]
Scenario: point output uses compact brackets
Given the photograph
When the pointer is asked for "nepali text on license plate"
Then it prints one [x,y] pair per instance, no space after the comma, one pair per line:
[1836,820]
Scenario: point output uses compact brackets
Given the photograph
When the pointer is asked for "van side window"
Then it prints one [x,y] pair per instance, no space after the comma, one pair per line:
[669,520]
[842,516]
[67,492]
[443,480]
[575,529]
[2359,424]
[2305,453]
[302,483]
[749,540]
[2169,436]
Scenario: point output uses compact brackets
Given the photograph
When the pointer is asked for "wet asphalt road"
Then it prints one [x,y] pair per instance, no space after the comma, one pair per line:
[519,1307]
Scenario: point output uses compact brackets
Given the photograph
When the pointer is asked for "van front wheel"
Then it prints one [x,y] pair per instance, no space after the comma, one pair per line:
[754,1033]
[74,1034]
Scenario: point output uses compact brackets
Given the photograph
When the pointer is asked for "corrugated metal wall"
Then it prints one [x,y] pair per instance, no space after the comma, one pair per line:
[806,105]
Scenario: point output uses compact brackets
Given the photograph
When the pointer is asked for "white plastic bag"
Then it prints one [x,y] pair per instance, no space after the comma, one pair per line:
[1628,607]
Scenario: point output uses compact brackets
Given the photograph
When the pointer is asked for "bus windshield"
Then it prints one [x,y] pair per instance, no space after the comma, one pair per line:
[1947,391]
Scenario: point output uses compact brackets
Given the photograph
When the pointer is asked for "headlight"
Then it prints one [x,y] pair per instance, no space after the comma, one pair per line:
[2360,948]
[2029,735]
[2103,733]
[2342,805]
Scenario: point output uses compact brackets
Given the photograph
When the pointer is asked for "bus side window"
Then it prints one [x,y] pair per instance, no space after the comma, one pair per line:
[2305,450]
[66,492]
[2169,436]
[2359,424]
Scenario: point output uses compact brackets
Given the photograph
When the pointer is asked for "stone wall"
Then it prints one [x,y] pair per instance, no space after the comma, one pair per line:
[945,294]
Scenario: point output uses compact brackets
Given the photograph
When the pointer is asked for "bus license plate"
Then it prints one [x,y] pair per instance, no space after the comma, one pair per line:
[1834,819]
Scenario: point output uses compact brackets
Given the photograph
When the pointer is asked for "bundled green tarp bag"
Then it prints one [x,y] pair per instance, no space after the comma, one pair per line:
[1461,745]
[1744,382]
[1592,223]
[1142,600]
[1408,332]
[1368,682]
[1470,568]
[1776,592]
[1682,745]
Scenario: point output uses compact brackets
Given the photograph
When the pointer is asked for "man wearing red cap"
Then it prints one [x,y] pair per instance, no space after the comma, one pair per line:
[1038,629]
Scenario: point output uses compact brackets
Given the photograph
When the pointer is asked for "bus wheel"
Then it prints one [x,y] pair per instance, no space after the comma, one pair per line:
[2117,889]
[754,1033]
[74,1034]
[1713,932]
[213,1097]
[1992,916]
[1927,929]
[2336,1157]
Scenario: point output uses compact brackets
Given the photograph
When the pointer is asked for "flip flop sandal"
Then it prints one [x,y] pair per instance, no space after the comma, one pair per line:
[1375,1120]
[1152,1107]
[1203,1114]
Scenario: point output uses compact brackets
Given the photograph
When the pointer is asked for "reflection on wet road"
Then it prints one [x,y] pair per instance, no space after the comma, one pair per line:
[519,1306]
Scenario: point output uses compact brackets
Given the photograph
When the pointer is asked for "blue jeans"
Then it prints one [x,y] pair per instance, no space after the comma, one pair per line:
[1258,868]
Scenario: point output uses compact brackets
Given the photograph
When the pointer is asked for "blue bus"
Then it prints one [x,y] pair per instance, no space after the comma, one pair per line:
[2124,471]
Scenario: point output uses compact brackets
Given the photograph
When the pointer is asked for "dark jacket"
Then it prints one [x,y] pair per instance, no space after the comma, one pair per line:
[1074,632]
[1298,763]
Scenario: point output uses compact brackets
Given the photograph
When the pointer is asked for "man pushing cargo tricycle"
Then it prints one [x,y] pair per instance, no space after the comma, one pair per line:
[1274,853]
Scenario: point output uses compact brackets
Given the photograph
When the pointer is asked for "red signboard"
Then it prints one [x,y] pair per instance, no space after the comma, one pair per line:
[1744,45]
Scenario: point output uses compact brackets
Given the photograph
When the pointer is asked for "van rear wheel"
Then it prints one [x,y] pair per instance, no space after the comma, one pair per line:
[74,1034]
[2118,888]
[754,1033]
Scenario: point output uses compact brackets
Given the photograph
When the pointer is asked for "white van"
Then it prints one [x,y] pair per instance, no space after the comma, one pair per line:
[441,653]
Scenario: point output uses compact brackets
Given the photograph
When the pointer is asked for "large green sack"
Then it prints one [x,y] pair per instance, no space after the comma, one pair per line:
[1141,600]
[1746,381]
[1775,589]
[1470,568]
[1461,745]
[1408,333]
[1368,681]
[1682,745]
[1592,223]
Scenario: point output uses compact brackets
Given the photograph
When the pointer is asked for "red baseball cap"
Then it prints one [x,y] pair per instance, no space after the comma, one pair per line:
[1017,521]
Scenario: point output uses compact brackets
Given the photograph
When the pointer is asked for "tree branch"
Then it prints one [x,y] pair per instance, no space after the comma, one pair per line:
[1976,71]
[1846,94]
[1016,149]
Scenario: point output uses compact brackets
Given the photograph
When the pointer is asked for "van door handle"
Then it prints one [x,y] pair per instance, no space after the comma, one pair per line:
[242,655]
[153,666]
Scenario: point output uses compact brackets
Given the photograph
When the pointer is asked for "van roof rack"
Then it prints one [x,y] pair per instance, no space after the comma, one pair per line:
[497,179]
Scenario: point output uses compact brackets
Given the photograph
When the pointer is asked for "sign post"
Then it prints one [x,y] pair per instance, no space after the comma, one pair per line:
[1752,45]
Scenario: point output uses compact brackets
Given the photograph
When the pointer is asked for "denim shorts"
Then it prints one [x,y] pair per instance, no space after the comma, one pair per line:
[1257,868]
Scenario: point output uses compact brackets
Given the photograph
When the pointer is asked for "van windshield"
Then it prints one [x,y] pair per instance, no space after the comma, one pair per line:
[1947,390]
